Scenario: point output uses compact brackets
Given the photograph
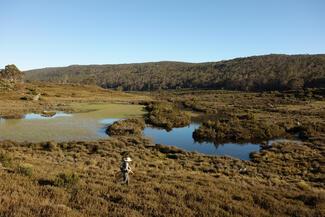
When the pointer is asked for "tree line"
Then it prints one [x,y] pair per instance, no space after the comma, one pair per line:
[256,73]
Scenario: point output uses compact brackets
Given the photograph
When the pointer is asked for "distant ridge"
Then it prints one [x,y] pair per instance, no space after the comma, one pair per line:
[255,73]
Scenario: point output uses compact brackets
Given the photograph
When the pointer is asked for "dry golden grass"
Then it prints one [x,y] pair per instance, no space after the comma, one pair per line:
[281,110]
[62,97]
[186,185]
[80,178]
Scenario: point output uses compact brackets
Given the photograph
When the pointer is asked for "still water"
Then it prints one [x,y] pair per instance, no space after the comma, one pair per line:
[66,127]
[92,125]
[182,138]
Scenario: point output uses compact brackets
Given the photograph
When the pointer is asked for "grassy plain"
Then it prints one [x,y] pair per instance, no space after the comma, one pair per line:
[79,178]
[64,97]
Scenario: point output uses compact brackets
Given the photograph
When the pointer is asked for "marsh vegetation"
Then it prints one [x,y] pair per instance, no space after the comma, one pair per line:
[78,178]
[166,115]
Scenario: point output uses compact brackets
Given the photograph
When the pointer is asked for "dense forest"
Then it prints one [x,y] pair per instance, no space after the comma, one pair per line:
[256,73]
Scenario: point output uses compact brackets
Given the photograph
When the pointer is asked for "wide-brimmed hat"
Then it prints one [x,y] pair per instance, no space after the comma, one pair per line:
[127,159]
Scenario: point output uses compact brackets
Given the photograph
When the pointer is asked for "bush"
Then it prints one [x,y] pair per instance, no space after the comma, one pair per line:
[127,127]
[303,185]
[25,170]
[24,98]
[49,146]
[172,156]
[66,180]
[238,128]
[5,160]
[166,115]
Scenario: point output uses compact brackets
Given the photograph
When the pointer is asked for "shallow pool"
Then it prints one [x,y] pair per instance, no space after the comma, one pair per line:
[92,125]
[182,138]
[65,127]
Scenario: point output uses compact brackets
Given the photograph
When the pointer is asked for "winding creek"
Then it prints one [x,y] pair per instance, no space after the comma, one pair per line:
[91,125]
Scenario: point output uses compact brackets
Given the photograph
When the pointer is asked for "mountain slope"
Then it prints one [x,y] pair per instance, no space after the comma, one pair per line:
[269,72]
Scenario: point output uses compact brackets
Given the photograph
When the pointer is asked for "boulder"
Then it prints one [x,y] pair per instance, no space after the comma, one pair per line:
[9,77]
[36,97]
[11,73]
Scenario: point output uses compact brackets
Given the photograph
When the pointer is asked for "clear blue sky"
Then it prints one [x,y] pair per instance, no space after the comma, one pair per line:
[41,33]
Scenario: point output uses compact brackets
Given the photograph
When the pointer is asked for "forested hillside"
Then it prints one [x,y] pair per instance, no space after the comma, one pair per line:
[256,73]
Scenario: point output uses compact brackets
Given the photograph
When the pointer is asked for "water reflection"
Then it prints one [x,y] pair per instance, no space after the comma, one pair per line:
[92,126]
[182,138]
[34,116]
[61,126]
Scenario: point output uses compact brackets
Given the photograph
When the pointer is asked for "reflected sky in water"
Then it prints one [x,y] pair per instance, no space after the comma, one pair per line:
[182,138]
[92,126]
[34,116]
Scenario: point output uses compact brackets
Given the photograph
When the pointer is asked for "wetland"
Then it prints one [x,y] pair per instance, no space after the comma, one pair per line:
[91,124]
[174,175]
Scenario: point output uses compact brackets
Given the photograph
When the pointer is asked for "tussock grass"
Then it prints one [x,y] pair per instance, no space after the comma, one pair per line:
[243,128]
[166,115]
[132,126]
[66,180]
[79,178]
[74,180]
[245,116]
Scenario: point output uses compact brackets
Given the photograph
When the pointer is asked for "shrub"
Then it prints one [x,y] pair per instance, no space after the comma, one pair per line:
[127,127]
[25,170]
[166,115]
[66,180]
[49,146]
[24,98]
[303,185]
[5,160]
[238,128]
[172,156]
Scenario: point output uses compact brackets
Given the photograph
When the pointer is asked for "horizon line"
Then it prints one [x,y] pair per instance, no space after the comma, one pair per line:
[161,61]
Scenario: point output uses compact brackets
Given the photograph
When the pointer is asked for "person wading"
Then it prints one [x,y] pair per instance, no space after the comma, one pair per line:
[126,169]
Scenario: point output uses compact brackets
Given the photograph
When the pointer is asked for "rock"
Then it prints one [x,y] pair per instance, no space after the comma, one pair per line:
[48,113]
[6,85]
[37,97]
[11,73]
[9,77]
